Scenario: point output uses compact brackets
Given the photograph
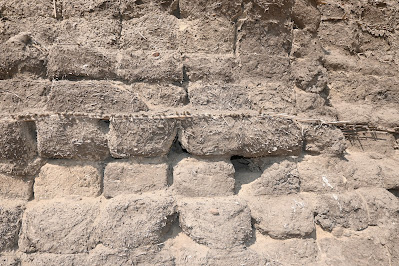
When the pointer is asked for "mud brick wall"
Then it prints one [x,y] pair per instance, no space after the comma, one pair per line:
[199,132]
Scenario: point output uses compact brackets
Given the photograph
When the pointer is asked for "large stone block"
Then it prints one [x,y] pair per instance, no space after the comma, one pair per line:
[23,95]
[237,135]
[282,217]
[152,31]
[10,223]
[71,61]
[131,221]
[62,226]
[131,177]
[223,222]
[309,74]
[15,187]
[85,8]
[162,95]
[14,9]
[94,97]
[71,138]
[324,139]
[130,9]
[264,66]
[213,36]
[150,66]
[281,178]
[141,137]
[203,178]
[61,178]
[200,9]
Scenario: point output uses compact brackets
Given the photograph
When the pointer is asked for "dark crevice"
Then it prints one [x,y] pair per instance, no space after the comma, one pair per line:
[172,228]
[394,191]
[175,9]
[246,171]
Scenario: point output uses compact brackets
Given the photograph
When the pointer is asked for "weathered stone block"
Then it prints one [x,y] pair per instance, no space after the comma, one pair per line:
[23,95]
[63,178]
[324,139]
[264,66]
[37,259]
[309,74]
[94,97]
[71,138]
[244,136]
[71,61]
[163,95]
[15,187]
[218,222]
[135,9]
[62,226]
[131,221]
[10,223]
[209,68]
[20,55]
[141,137]
[306,15]
[9,260]
[150,66]
[13,9]
[234,257]
[213,36]
[152,31]
[198,9]
[346,210]
[282,217]
[278,179]
[82,8]
[132,177]
[203,178]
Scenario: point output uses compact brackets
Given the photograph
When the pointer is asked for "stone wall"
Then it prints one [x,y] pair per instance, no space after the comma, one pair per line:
[201,132]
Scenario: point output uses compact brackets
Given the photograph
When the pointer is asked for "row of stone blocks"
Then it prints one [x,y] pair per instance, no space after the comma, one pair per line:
[127,225]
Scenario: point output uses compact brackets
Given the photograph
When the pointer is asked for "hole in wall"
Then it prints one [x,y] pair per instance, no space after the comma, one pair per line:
[246,171]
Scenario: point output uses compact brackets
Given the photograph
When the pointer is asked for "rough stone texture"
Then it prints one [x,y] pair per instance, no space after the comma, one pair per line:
[15,187]
[244,136]
[71,138]
[131,221]
[62,226]
[141,137]
[203,178]
[282,217]
[132,177]
[163,95]
[10,223]
[200,219]
[61,178]
[324,139]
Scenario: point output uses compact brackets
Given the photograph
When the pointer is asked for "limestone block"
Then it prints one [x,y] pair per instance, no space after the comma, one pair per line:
[131,221]
[61,226]
[10,223]
[244,136]
[131,177]
[71,138]
[141,137]
[203,178]
[61,178]
[282,217]
[220,223]
[15,187]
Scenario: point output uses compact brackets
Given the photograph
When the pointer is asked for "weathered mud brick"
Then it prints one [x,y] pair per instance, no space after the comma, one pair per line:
[141,137]
[282,217]
[203,178]
[152,31]
[219,96]
[23,95]
[21,55]
[347,210]
[213,36]
[200,9]
[306,15]
[235,256]
[10,217]
[309,74]
[243,136]
[71,61]
[37,259]
[18,143]
[131,177]
[94,97]
[9,260]
[61,178]
[342,35]
[264,66]
[287,252]
[102,255]
[62,226]
[15,187]
[220,223]
[324,139]
[71,138]
[281,178]
[131,221]
[90,32]
[208,68]
[161,94]
[322,173]
[14,9]
[150,66]
[134,9]
[84,8]
[306,45]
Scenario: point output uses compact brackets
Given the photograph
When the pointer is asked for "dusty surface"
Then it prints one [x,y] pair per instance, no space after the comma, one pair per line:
[199,132]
